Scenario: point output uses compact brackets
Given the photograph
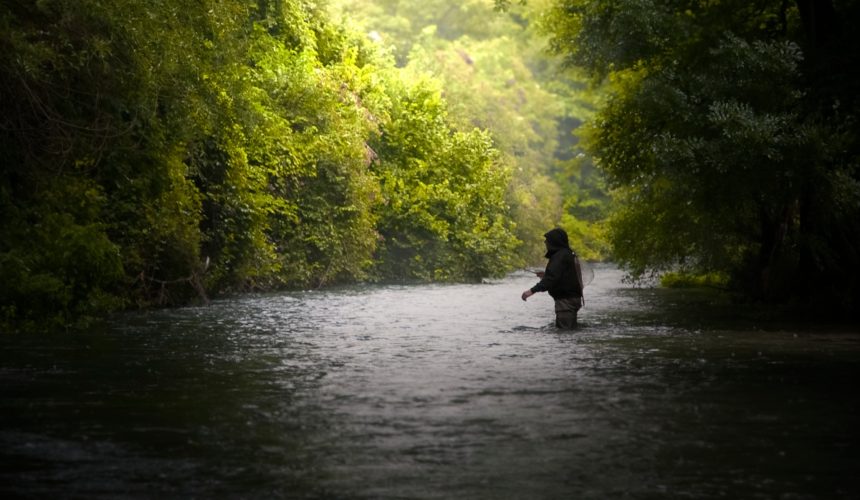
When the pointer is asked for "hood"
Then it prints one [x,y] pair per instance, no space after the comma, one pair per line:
[556,239]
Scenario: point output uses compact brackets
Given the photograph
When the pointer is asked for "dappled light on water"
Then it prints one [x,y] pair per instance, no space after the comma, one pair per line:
[435,391]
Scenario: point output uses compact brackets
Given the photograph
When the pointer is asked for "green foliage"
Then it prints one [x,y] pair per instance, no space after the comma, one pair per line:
[398,23]
[720,152]
[443,214]
[683,280]
[724,138]
[55,270]
[496,76]
[156,153]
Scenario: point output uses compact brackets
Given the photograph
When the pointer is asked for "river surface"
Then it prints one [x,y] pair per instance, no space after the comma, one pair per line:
[435,391]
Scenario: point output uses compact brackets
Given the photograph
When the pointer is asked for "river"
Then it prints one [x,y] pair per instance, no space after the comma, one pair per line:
[435,392]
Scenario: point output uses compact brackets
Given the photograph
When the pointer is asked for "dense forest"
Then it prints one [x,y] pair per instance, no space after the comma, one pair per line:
[730,137]
[162,153]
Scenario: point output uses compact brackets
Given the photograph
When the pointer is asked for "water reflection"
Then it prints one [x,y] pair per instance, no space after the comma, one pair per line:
[440,391]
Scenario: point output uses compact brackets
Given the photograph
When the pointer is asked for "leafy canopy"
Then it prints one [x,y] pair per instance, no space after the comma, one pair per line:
[725,136]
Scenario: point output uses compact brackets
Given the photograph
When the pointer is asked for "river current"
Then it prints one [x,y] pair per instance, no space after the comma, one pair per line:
[435,392]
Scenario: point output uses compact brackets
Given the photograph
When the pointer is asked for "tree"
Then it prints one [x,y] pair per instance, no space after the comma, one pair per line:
[496,76]
[727,146]
[443,214]
[156,154]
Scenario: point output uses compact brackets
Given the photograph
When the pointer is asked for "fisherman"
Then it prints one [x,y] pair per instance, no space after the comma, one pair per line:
[562,279]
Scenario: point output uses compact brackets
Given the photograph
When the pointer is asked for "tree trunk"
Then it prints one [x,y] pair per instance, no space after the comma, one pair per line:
[819,21]
[821,28]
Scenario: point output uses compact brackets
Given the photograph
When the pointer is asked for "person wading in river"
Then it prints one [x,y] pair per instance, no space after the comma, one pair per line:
[562,279]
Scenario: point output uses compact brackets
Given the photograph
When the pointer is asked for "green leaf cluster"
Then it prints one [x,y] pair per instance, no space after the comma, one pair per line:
[730,137]
[443,213]
[157,153]
[496,75]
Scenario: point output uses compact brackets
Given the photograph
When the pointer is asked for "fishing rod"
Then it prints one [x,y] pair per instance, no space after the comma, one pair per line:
[587,272]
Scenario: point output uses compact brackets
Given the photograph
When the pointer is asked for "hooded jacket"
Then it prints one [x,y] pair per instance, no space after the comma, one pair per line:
[559,278]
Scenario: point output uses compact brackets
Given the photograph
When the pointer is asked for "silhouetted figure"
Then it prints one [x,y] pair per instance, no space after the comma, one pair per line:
[562,279]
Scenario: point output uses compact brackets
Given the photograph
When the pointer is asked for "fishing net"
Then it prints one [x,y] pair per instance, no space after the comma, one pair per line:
[587,273]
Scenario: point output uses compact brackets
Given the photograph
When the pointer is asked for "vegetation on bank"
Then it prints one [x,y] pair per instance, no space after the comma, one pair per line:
[496,74]
[730,135]
[156,153]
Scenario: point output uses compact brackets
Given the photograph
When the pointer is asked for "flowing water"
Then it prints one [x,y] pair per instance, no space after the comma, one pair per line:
[434,391]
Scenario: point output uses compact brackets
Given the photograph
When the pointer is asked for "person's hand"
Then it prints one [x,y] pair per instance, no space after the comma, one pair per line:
[528,293]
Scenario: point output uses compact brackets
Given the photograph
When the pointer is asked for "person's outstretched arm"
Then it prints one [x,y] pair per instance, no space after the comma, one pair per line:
[548,280]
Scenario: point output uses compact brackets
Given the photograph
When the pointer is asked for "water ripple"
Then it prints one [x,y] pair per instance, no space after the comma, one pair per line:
[436,391]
